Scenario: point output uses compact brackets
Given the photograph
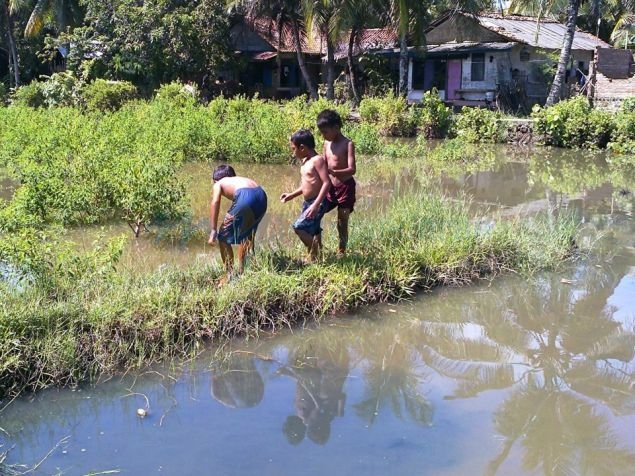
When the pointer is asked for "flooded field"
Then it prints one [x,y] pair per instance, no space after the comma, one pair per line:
[513,376]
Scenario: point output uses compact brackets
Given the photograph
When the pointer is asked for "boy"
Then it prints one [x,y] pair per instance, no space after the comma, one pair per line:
[339,153]
[314,187]
[249,204]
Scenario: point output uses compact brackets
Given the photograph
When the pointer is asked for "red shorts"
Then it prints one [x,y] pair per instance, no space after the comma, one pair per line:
[341,196]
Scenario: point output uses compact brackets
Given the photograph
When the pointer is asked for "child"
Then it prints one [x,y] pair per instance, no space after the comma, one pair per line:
[339,153]
[249,204]
[314,187]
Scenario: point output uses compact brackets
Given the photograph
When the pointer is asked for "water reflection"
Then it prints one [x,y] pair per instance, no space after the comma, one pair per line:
[319,373]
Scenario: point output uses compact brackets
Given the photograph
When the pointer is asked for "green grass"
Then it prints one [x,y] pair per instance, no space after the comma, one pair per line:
[92,318]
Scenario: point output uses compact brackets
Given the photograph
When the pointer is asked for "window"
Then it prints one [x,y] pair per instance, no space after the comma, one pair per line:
[478,67]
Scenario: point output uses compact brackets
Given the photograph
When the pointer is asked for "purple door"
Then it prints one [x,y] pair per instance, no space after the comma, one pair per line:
[454,78]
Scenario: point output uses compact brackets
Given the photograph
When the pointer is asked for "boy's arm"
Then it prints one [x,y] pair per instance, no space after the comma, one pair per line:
[351,168]
[323,172]
[285,197]
[213,212]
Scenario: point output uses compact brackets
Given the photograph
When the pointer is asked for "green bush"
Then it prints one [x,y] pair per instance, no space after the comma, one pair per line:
[61,90]
[573,123]
[391,114]
[29,95]
[102,95]
[628,105]
[623,137]
[479,125]
[178,93]
[433,117]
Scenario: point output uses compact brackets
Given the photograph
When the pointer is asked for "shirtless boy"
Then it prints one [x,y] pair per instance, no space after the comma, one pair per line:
[314,187]
[339,153]
[249,204]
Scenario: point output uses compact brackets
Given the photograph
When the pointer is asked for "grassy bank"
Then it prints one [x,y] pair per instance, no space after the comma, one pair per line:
[81,316]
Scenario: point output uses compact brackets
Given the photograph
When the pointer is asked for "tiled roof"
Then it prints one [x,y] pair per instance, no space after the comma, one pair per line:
[368,39]
[266,28]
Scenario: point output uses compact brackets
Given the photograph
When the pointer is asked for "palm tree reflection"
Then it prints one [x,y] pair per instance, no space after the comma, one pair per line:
[392,379]
[565,357]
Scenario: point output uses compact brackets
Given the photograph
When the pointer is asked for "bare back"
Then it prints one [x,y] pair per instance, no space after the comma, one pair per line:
[229,185]
[339,155]
[311,181]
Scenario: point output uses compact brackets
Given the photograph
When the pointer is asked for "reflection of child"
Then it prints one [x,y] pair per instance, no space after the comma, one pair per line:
[339,153]
[238,384]
[249,204]
[314,186]
[318,400]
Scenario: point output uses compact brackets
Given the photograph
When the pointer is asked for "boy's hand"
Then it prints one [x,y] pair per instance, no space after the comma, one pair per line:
[284,197]
[212,237]
[311,211]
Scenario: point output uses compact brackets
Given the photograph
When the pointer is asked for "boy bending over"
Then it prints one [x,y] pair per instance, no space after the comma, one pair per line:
[249,204]
[314,186]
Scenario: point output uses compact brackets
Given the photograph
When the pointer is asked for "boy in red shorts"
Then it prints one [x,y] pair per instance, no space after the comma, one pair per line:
[339,152]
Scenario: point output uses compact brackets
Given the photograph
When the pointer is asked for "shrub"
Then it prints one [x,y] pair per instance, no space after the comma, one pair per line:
[178,93]
[102,95]
[29,95]
[628,105]
[433,117]
[573,123]
[390,114]
[61,90]
[479,125]
[623,136]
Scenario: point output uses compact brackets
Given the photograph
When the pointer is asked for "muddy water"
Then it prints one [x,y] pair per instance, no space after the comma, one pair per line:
[507,377]
[518,180]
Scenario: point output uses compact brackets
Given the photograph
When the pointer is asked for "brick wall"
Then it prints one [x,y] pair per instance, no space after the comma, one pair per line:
[614,77]
[614,63]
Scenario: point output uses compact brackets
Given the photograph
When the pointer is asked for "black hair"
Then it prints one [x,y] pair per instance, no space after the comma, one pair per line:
[329,118]
[223,171]
[303,137]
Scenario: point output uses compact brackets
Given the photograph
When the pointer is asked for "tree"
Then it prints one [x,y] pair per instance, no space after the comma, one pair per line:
[62,12]
[7,9]
[409,18]
[559,79]
[153,42]
[326,17]
[285,14]
[624,31]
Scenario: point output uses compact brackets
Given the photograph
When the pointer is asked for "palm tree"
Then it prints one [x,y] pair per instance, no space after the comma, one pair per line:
[7,10]
[324,16]
[408,18]
[63,13]
[285,14]
[624,31]
[558,80]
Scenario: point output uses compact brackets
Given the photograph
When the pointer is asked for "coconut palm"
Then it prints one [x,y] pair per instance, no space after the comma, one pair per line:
[61,13]
[324,16]
[285,14]
[7,10]
[409,19]
[624,31]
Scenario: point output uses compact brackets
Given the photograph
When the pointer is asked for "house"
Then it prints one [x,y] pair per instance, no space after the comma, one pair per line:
[472,58]
[612,77]
[270,61]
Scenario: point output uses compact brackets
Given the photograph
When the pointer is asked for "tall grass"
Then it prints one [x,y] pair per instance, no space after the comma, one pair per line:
[104,319]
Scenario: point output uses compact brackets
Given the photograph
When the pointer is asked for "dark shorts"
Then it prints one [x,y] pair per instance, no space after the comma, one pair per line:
[242,219]
[342,196]
[311,225]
